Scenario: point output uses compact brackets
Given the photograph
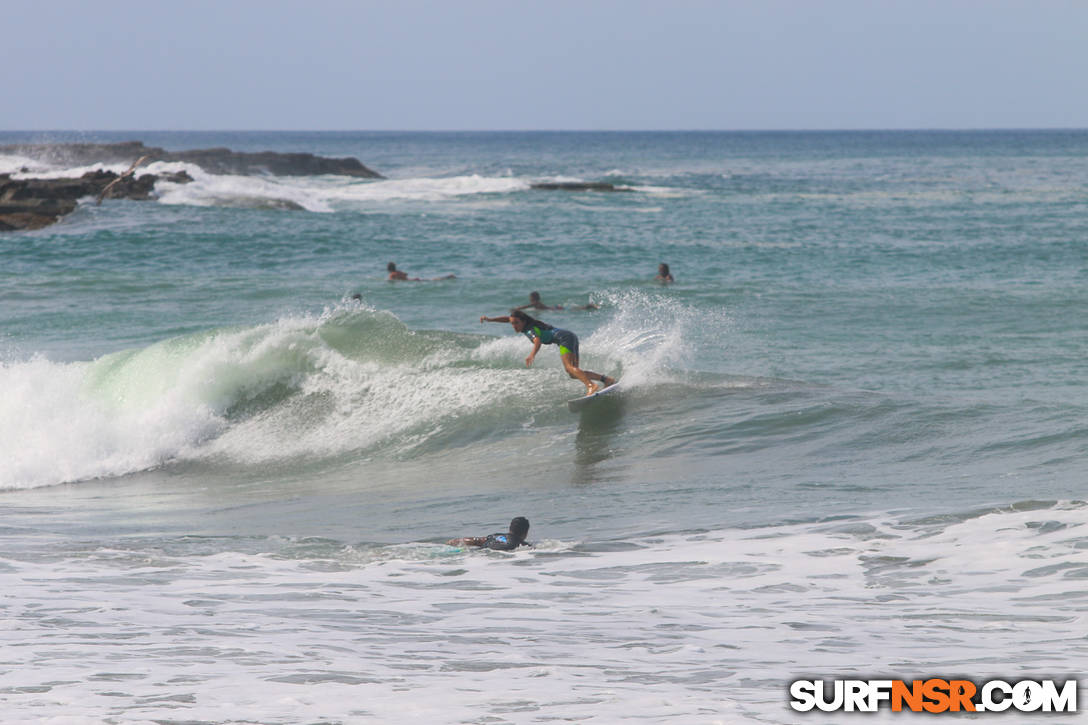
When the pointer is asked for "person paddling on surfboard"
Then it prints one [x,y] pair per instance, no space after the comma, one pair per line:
[541,333]
[536,304]
[515,537]
[396,275]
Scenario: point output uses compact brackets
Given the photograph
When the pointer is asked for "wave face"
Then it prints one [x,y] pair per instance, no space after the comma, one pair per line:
[352,381]
[308,386]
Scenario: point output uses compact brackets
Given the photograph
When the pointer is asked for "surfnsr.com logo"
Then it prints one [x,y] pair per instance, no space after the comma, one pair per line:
[934,695]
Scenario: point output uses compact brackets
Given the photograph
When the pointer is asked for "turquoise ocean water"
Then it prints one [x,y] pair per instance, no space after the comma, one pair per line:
[852,439]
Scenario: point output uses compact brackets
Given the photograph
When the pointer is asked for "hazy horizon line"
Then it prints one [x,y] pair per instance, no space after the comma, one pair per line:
[896,129]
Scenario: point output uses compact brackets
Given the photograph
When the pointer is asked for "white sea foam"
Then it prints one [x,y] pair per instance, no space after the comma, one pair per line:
[427,189]
[696,628]
[36,169]
[239,191]
[325,194]
[14,165]
[53,429]
[651,336]
[136,409]
[668,192]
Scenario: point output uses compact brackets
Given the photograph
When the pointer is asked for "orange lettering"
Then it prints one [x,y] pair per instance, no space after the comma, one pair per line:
[961,692]
[936,691]
[911,695]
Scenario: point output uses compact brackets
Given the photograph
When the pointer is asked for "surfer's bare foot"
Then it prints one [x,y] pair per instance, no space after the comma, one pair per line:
[607,381]
[591,389]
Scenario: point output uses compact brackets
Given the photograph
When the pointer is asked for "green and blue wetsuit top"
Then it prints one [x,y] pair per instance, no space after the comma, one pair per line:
[565,339]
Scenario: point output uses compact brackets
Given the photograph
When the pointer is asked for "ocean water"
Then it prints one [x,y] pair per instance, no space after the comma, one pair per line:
[852,440]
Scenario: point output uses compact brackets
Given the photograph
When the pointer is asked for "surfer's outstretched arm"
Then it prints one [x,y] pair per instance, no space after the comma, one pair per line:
[485,318]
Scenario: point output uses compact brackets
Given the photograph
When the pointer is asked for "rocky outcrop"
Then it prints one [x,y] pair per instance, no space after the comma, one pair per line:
[36,203]
[579,186]
[214,161]
[225,161]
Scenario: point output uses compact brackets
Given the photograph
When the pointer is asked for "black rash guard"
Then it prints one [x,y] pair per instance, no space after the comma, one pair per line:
[502,542]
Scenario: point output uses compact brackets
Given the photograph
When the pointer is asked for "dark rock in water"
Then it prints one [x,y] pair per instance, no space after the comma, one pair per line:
[180,177]
[24,207]
[34,215]
[579,186]
[214,161]
[36,203]
[225,161]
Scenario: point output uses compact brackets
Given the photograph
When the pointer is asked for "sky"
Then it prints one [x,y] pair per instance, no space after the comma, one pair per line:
[549,64]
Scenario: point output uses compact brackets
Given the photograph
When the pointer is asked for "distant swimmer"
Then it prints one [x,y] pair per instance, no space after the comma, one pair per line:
[541,333]
[395,275]
[664,276]
[536,304]
[512,539]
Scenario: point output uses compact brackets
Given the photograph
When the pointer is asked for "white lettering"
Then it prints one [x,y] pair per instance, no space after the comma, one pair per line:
[803,693]
[836,701]
[989,704]
[856,696]
[881,691]
[1064,701]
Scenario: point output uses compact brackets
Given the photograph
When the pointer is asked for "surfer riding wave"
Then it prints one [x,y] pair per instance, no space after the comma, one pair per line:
[541,333]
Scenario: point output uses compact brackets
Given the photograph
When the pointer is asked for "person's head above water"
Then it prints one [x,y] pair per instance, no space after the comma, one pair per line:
[534,297]
[522,322]
[663,269]
[519,528]
[391,267]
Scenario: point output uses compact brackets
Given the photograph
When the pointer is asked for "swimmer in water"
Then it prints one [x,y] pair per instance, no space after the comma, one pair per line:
[541,333]
[664,276]
[536,304]
[512,539]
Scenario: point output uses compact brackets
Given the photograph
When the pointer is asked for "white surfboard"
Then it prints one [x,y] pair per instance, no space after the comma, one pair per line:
[578,403]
